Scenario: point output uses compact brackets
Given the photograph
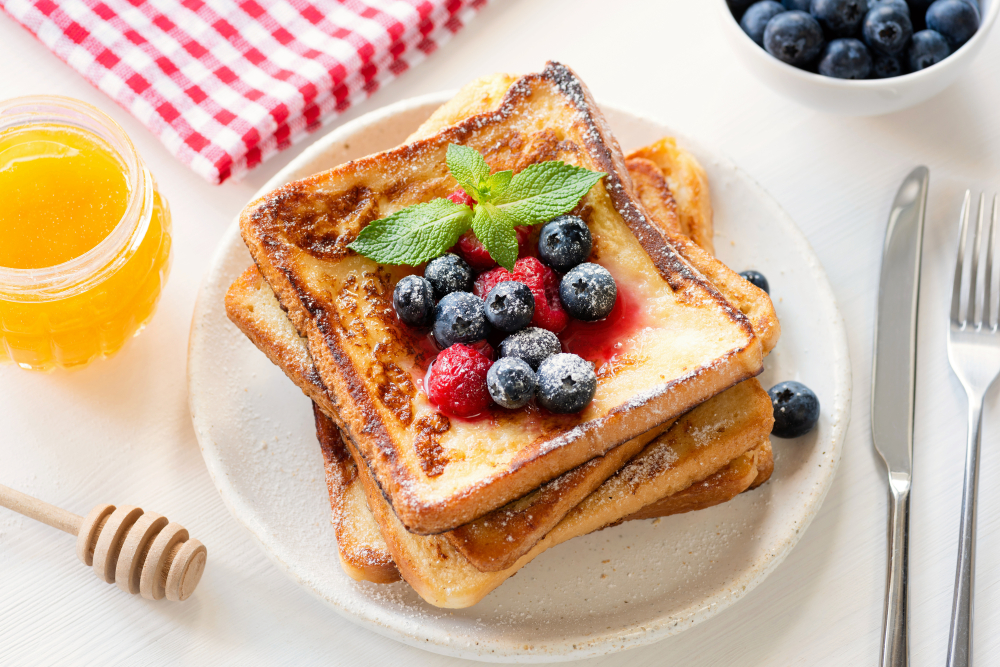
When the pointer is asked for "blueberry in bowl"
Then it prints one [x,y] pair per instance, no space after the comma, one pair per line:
[839,18]
[796,409]
[955,20]
[886,67]
[887,29]
[800,56]
[756,17]
[845,58]
[927,48]
[794,37]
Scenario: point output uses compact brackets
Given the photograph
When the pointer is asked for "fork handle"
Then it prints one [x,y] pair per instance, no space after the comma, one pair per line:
[960,637]
[895,647]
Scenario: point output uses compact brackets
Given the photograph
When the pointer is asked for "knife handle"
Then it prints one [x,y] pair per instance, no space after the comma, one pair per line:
[895,644]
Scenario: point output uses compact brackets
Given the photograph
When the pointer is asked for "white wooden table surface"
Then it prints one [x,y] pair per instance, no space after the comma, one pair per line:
[120,430]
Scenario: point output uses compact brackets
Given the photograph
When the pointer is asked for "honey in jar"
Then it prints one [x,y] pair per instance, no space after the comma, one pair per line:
[84,235]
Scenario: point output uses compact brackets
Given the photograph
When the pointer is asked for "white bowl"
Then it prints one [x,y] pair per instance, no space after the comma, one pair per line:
[855,98]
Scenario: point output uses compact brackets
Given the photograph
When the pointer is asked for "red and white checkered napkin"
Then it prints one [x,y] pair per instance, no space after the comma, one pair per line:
[227,83]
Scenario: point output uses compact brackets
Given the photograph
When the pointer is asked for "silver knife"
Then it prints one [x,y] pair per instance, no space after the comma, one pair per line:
[894,371]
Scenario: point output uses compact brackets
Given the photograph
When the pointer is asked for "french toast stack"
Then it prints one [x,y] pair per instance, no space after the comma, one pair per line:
[456,506]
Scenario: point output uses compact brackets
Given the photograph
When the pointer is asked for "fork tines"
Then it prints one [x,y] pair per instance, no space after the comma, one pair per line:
[980,306]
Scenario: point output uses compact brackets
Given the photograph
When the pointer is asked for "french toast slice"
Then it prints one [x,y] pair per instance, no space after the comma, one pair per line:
[440,473]
[364,555]
[745,472]
[729,425]
[485,542]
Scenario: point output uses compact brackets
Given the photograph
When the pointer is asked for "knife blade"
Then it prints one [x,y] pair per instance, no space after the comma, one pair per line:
[894,369]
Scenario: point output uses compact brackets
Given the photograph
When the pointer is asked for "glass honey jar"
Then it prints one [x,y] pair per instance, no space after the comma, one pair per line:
[84,235]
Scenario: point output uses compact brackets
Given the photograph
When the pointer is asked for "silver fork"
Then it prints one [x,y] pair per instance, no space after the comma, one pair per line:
[974,353]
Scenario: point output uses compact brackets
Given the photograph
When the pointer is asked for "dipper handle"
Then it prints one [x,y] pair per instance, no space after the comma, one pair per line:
[141,552]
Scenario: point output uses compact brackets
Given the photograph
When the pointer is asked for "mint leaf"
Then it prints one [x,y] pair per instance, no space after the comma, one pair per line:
[469,168]
[414,234]
[497,183]
[544,190]
[495,230]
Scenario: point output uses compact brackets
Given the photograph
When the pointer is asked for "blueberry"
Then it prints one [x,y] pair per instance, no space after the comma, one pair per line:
[566,383]
[845,58]
[737,7]
[511,382]
[956,20]
[800,5]
[533,345]
[887,29]
[588,292]
[840,18]
[448,273]
[459,318]
[755,19]
[564,242]
[885,67]
[510,306]
[927,48]
[757,279]
[413,300]
[796,409]
[793,37]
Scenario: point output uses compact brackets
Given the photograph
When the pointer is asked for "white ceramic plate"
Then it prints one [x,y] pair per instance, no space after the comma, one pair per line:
[619,588]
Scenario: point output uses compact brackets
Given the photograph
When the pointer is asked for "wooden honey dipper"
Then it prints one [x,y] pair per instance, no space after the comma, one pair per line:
[139,551]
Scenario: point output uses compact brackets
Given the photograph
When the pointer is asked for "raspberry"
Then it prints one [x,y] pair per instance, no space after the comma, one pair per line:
[460,196]
[475,253]
[487,281]
[457,381]
[544,285]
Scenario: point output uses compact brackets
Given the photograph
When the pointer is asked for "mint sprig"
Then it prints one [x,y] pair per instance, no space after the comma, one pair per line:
[504,200]
[414,234]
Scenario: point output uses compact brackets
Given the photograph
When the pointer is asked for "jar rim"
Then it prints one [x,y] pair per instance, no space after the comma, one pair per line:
[92,267]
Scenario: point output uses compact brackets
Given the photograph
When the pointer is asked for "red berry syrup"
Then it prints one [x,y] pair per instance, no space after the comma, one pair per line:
[601,341]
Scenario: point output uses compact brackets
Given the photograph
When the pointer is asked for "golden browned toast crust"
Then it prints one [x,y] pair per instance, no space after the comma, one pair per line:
[496,540]
[745,472]
[688,184]
[362,551]
[298,235]
[250,304]
[653,190]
